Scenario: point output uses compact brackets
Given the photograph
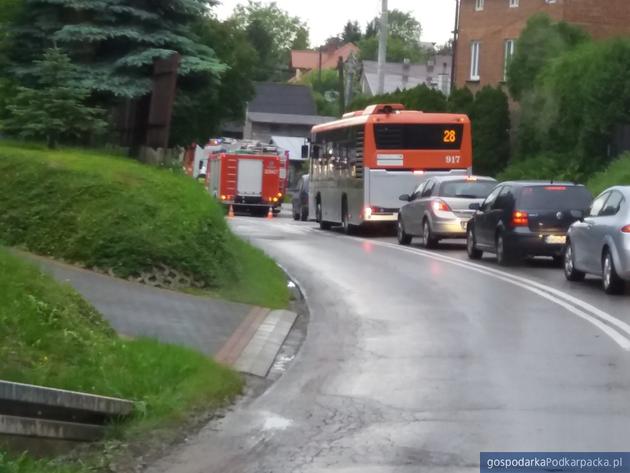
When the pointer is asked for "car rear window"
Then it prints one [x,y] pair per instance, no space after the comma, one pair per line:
[467,189]
[554,197]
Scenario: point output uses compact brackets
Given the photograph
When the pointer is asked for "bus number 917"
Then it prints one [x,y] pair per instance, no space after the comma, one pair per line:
[453,159]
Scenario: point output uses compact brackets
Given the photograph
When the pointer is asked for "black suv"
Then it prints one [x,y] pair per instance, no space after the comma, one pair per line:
[525,218]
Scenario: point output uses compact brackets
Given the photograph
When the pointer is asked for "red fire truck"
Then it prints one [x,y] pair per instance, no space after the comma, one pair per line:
[252,178]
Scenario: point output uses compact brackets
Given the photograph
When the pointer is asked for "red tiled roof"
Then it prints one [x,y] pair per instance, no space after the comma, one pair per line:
[309,60]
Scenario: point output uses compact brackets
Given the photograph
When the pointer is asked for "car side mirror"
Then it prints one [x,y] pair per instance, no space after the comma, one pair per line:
[475,206]
[405,198]
[578,214]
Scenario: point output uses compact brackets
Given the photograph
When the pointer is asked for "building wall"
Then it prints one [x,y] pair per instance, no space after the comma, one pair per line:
[492,26]
[264,131]
[497,22]
[601,18]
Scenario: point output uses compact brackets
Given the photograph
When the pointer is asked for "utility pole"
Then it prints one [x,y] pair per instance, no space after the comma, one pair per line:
[382,48]
[455,44]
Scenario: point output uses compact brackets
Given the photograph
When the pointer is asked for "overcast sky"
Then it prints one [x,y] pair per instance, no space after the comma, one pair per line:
[326,18]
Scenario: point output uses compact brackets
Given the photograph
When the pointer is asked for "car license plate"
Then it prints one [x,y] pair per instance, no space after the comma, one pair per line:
[555,240]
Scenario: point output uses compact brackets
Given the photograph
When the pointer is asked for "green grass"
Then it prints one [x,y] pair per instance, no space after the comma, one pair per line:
[52,337]
[617,174]
[108,211]
[25,464]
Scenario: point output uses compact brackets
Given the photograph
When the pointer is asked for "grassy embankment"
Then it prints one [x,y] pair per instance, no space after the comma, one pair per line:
[618,173]
[110,212]
[107,212]
[52,337]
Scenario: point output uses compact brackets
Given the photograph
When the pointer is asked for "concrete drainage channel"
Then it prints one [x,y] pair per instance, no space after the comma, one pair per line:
[32,416]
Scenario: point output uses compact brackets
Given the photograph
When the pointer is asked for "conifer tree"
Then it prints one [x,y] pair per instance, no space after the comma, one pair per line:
[55,109]
[113,43]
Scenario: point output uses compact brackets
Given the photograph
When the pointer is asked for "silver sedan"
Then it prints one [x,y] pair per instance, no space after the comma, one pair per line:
[440,208]
[600,242]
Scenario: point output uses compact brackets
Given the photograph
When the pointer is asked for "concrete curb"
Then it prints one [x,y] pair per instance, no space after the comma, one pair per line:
[233,347]
[259,354]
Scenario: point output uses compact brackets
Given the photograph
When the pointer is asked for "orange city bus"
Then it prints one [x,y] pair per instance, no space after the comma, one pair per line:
[362,163]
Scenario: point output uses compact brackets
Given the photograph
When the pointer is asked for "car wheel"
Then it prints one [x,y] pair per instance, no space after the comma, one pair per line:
[504,257]
[403,237]
[570,272]
[428,240]
[303,214]
[611,281]
[322,225]
[473,252]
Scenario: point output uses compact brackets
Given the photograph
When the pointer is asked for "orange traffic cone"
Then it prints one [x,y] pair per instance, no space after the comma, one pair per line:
[270,213]
[231,212]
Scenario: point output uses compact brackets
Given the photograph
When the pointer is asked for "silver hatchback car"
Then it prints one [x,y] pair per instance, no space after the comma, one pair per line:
[600,242]
[440,208]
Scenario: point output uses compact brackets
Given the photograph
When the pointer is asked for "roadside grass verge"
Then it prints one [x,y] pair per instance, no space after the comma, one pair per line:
[52,337]
[110,212]
[617,174]
[559,168]
[25,464]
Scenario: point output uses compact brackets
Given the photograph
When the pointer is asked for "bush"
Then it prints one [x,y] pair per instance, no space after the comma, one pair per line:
[420,97]
[110,212]
[490,116]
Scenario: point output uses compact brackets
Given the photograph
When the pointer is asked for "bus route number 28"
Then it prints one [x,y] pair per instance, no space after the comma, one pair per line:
[450,136]
[453,159]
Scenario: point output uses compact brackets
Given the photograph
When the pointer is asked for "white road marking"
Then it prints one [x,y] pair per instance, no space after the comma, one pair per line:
[597,317]
[580,308]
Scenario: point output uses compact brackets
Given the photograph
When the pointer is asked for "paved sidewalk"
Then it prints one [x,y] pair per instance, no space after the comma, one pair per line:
[136,310]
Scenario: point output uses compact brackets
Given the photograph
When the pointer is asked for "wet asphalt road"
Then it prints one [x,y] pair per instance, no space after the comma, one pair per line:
[416,361]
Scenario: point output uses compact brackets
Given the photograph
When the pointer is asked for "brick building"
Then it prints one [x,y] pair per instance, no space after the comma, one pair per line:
[488,30]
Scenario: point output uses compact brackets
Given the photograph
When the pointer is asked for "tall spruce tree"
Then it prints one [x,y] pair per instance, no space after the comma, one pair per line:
[53,110]
[113,43]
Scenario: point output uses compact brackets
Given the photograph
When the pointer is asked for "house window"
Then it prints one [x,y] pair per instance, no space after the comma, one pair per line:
[474,60]
[513,3]
[508,52]
[479,5]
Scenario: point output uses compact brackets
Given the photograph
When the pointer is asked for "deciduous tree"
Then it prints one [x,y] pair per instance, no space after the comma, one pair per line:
[283,33]
[541,41]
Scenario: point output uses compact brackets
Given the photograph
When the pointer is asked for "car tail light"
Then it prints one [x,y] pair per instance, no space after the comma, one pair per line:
[440,206]
[520,219]
[556,188]
[626,229]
